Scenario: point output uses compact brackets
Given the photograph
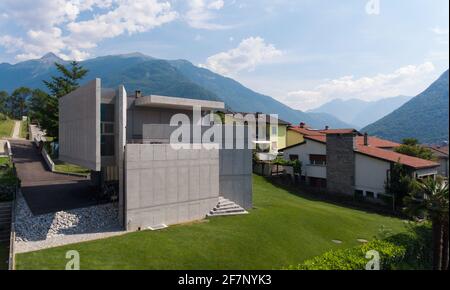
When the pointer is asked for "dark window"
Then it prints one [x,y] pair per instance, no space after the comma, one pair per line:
[107,145]
[317,159]
[293,157]
[359,193]
[107,113]
[107,128]
[370,194]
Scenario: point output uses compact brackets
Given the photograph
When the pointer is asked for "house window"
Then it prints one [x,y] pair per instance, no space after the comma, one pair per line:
[293,157]
[370,194]
[359,193]
[317,159]
[107,142]
[274,130]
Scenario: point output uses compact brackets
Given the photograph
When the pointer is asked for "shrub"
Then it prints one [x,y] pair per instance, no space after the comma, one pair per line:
[355,258]
[410,250]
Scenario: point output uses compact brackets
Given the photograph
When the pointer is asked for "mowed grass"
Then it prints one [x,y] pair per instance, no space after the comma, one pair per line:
[4,256]
[283,229]
[6,128]
[64,167]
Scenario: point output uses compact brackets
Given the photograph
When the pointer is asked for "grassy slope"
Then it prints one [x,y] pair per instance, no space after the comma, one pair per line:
[283,229]
[6,128]
[64,167]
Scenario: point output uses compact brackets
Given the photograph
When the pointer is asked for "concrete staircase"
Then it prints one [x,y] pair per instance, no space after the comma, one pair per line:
[5,222]
[226,207]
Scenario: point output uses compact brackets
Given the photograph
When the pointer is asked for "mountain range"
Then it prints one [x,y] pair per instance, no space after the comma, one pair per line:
[177,78]
[361,113]
[425,117]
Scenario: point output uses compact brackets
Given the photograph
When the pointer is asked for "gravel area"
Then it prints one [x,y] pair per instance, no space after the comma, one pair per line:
[64,227]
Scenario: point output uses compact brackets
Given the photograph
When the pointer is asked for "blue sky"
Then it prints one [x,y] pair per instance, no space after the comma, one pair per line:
[301,52]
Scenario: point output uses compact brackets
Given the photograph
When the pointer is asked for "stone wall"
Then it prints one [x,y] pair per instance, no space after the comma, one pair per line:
[167,186]
[341,163]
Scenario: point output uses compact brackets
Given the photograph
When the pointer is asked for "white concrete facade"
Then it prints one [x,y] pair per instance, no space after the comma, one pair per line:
[79,126]
[371,174]
[304,151]
[168,186]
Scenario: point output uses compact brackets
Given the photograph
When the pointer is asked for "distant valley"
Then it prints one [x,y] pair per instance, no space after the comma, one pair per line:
[361,113]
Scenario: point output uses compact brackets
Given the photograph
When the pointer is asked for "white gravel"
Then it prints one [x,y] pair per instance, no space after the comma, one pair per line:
[64,227]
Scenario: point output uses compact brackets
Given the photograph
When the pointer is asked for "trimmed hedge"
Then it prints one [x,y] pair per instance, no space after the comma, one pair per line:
[411,250]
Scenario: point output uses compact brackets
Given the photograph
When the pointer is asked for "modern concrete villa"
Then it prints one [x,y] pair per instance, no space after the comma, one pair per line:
[125,141]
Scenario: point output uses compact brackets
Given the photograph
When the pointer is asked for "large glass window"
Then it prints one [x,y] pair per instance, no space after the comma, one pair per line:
[107,129]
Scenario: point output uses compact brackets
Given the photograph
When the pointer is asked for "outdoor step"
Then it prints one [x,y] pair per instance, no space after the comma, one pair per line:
[235,210]
[5,206]
[231,205]
[226,214]
[222,204]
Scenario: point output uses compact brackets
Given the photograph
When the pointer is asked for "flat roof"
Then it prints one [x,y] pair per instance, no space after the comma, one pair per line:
[155,101]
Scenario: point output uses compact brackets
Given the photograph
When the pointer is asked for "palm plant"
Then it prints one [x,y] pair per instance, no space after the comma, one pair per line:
[429,200]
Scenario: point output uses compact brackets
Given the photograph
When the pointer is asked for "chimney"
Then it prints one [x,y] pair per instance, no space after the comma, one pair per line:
[138,94]
[302,125]
[327,127]
[366,139]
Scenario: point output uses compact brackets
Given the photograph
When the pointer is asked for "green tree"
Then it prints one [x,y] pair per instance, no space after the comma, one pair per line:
[4,97]
[67,81]
[18,102]
[430,200]
[59,86]
[43,108]
[399,184]
[411,147]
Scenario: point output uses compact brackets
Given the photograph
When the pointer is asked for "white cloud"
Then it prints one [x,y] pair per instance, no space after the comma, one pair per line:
[406,80]
[250,53]
[52,25]
[201,14]
[439,30]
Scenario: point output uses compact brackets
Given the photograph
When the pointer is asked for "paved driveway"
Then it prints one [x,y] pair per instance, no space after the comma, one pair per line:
[45,191]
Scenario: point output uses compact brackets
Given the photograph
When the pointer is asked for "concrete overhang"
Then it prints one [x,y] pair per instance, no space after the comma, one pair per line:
[155,101]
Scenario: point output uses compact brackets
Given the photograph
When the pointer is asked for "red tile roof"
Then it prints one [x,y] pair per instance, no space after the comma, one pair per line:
[440,149]
[391,156]
[318,138]
[375,148]
[339,131]
[377,142]
[305,131]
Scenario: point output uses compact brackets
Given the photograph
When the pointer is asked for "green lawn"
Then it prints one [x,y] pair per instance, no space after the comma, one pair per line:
[4,256]
[64,167]
[283,229]
[6,128]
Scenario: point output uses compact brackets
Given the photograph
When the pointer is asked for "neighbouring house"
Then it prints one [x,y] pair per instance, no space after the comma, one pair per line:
[269,142]
[344,161]
[125,141]
[441,154]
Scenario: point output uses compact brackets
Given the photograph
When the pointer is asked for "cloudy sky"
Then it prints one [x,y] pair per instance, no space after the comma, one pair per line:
[301,52]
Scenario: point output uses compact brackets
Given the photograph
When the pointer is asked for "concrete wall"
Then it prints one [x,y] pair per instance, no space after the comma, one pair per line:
[341,163]
[236,176]
[166,186]
[79,126]
[370,173]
